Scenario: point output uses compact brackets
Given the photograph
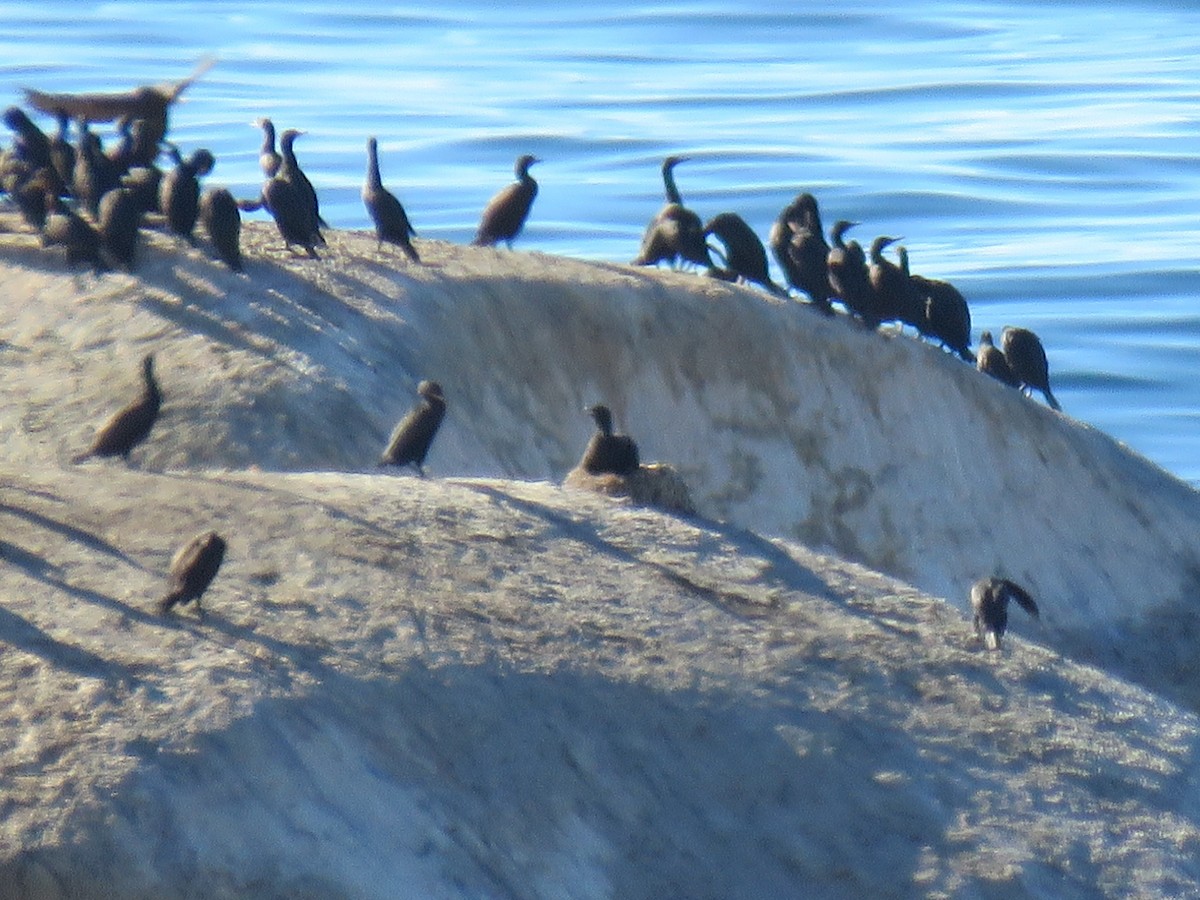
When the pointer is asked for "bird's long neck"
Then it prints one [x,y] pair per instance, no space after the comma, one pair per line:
[153,394]
[268,144]
[373,178]
[289,163]
[668,174]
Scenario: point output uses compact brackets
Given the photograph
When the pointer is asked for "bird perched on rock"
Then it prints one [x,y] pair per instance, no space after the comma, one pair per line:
[130,426]
[849,277]
[410,441]
[120,216]
[66,228]
[193,568]
[989,603]
[292,201]
[745,256]
[991,361]
[608,452]
[504,216]
[1026,357]
[223,222]
[675,234]
[391,221]
[798,241]
[179,190]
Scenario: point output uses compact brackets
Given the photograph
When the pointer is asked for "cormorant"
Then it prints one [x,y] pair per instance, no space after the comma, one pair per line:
[947,317]
[223,222]
[391,222]
[744,252]
[118,220]
[608,452]
[847,265]
[30,144]
[130,426]
[144,182]
[94,175]
[989,603]
[179,191]
[29,193]
[290,198]
[66,228]
[193,568]
[991,361]
[798,241]
[1026,358]
[676,233]
[895,300]
[62,154]
[269,159]
[505,214]
[410,440]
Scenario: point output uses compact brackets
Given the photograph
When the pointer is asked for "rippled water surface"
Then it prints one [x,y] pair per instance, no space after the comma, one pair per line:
[1041,156]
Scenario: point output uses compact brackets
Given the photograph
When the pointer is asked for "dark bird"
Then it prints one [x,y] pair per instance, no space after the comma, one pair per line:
[148,103]
[62,154]
[391,222]
[179,191]
[991,361]
[947,316]
[66,228]
[94,175]
[30,144]
[608,452]
[29,193]
[847,265]
[504,216]
[290,198]
[193,568]
[895,300]
[797,240]
[144,182]
[1026,358]
[223,222]
[675,234]
[119,219]
[744,254]
[269,159]
[989,603]
[410,441]
[130,426]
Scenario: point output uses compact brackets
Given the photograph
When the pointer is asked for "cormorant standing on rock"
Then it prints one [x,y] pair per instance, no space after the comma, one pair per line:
[410,441]
[290,198]
[120,217]
[129,426]
[744,254]
[991,361]
[223,222]
[94,175]
[30,144]
[193,568]
[62,154]
[144,182]
[608,452]
[1026,358]
[895,300]
[269,159]
[179,191]
[676,233]
[66,228]
[798,241]
[947,317]
[391,221]
[989,603]
[504,216]
[848,275]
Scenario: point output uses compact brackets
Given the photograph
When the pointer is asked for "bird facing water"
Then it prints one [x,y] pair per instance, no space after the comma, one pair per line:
[292,201]
[675,234]
[1026,357]
[504,216]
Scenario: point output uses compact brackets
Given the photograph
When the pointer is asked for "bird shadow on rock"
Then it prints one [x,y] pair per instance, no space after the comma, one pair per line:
[24,635]
[70,532]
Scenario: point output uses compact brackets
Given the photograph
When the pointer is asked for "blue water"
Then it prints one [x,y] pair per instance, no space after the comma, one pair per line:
[1040,156]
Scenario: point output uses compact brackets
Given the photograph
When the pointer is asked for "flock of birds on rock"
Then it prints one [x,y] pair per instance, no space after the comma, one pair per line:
[93,202]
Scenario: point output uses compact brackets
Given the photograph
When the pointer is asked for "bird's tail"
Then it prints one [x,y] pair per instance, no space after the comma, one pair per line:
[80,457]
[1053,403]
[165,604]
[991,640]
